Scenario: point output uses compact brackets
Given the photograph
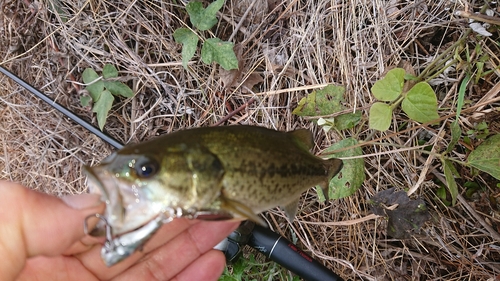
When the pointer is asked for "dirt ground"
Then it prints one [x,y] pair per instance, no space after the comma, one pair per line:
[286,50]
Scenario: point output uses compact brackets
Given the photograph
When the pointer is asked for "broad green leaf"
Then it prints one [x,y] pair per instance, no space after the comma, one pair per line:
[195,10]
[189,41]
[118,88]
[420,103]
[95,89]
[352,175]
[109,71]
[201,18]
[321,102]
[450,180]
[219,51]
[85,100]
[347,121]
[486,157]
[380,116]
[102,107]
[456,132]
[391,86]
[328,100]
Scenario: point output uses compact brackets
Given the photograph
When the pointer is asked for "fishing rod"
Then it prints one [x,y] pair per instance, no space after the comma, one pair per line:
[68,113]
[269,243]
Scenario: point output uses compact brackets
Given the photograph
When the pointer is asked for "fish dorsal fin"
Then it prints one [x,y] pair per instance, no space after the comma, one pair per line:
[291,209]
[241,209]
[304,136]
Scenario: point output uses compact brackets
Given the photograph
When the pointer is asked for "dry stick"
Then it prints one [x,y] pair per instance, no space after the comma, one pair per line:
[479,17]
[490,94]
[427,165]
[241,21]
[232,113]
[350,222]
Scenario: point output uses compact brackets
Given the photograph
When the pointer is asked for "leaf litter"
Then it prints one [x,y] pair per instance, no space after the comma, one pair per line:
[296,48]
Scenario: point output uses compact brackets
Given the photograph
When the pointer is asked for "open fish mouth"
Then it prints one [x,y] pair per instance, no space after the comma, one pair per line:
[127,205]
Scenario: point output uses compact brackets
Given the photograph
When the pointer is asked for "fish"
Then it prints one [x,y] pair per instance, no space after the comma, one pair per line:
[227,172]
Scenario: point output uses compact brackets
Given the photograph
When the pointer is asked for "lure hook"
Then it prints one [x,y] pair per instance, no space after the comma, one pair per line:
[108,229]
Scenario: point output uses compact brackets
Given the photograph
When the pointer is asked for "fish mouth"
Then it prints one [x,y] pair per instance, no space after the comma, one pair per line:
[127,206]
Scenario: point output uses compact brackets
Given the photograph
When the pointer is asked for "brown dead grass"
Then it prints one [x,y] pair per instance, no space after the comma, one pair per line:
[294,46]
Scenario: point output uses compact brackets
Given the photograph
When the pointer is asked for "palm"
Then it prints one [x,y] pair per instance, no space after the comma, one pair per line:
[181,250]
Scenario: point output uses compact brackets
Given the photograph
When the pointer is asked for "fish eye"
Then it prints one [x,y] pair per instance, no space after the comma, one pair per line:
[146,168]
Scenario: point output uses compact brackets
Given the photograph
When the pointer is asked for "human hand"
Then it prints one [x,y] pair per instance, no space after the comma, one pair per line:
[42,238]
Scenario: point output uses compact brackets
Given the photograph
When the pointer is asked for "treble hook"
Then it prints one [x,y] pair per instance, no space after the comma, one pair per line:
[108,228]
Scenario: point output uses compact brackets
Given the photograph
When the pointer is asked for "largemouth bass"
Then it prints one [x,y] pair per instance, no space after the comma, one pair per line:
[232,172]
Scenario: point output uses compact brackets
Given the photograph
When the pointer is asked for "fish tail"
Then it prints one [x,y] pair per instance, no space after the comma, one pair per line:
[332,168]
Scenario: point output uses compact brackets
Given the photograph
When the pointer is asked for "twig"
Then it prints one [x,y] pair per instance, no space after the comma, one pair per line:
[232,113]
[479,17]
[241,21]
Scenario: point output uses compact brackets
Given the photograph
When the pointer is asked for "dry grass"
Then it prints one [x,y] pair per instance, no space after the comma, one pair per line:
[294,46]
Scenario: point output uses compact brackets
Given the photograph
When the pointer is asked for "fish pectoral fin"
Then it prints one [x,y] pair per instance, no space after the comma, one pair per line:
[242,210]
[291,209]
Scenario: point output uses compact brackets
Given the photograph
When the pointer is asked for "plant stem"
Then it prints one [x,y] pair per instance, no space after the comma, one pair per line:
[397,102]
[443,55]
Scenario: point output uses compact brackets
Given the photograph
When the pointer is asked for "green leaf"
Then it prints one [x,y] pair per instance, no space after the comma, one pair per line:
[461,94]
[85,100]
[102,107]
[189,41]
[380,116]
[456,132]
[203,19]
[420,103]
[219,51]
[441,194]
[347,121]
[109,71]
[326,101]
[352,175]
[321,102]
[391,86]
[486,157]
[95,89]
[450,180]
[118,88]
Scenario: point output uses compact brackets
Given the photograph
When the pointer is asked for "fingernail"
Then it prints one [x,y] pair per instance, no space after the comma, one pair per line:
[82,201]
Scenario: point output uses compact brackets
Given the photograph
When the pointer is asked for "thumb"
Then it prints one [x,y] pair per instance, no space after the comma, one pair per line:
[34,223]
